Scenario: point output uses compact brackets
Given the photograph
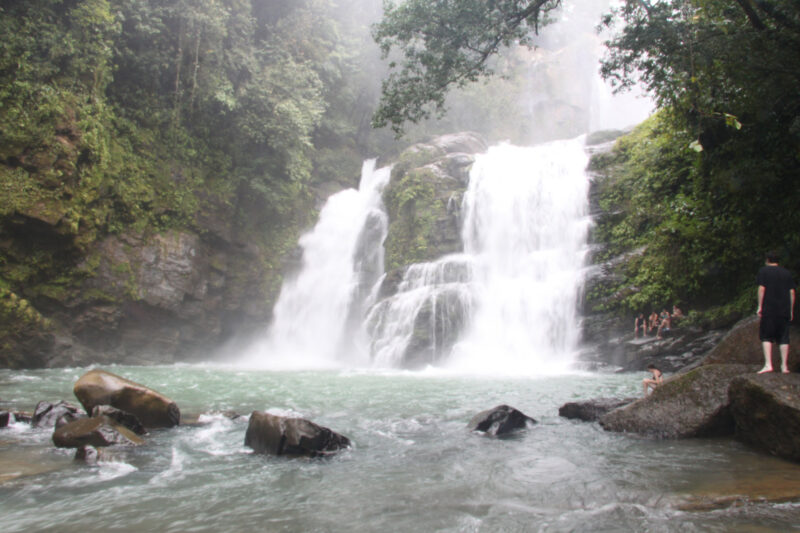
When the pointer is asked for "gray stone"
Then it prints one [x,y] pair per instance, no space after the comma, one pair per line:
[592,410]
[694,404]
[766,410]
[46,414]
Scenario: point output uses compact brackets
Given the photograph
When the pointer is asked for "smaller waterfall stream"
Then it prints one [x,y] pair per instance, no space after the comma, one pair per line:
[314,317]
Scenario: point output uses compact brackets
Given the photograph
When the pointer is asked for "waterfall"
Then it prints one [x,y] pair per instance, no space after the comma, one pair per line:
[525,228]
[507,304]
[318,314]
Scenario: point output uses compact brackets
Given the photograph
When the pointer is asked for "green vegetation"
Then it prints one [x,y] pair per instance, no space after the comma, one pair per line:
[446,45]
[410,200]
[141,116]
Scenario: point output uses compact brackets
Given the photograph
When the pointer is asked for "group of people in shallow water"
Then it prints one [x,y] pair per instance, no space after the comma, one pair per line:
[658,323]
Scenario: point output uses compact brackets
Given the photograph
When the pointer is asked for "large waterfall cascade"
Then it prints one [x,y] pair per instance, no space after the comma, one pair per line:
[525,227]
[507,304]
[313,317]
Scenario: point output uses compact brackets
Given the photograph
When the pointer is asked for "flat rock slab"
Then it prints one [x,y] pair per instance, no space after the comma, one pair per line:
[766,409]
[592,410]
[96,431]
[694,404]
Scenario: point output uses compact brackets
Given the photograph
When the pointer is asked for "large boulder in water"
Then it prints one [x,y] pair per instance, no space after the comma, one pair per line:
[294,437]
[592,410]
[95,431]
[741,346]
[154,410]
[694,404]
[766,409]
[500,420]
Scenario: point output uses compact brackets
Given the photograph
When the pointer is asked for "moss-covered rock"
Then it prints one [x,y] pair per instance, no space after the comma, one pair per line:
[423,199]
[694,404]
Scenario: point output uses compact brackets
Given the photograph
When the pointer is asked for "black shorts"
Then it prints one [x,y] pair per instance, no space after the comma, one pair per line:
[774,329]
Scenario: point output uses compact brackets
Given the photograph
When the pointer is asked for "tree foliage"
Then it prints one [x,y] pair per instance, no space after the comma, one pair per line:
[444,44]
[727,72]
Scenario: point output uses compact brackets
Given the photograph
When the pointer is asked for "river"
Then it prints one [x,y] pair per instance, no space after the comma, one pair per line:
[413,465]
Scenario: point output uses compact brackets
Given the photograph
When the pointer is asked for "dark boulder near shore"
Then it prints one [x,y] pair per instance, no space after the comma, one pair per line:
[500,420]
[293,437]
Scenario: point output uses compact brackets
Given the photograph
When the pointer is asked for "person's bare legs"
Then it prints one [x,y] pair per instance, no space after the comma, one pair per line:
[784,348]
[767,347]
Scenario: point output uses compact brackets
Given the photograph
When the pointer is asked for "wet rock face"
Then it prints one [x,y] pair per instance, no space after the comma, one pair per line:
[694,404]
[592,410]
[95,431]
[152,409]
[500,420]
[766,410]
[293,437]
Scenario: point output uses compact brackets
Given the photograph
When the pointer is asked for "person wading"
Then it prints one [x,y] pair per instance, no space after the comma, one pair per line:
[776,294]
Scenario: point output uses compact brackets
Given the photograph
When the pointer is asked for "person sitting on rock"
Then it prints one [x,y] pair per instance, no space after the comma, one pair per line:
[640,324]
[652,323]
[654,381]
[665,321]
[677,314]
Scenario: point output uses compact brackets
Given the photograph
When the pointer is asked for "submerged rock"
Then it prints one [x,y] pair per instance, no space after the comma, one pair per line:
[154,410]
[500,420]
[694,404]
[95,431]
[294,437]
[766,410]
[50,415]
[87,454]
[592,410]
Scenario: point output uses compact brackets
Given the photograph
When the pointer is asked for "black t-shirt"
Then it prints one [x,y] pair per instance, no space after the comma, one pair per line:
[777,282]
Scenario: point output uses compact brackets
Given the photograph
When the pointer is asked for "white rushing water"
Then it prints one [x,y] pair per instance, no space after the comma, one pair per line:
[506,305]
[314,315]
[525,228]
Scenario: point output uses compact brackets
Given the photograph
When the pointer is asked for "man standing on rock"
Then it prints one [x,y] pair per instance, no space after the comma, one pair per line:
[776,292]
